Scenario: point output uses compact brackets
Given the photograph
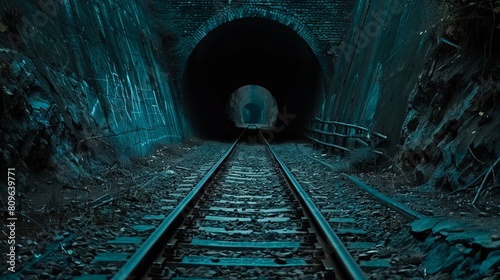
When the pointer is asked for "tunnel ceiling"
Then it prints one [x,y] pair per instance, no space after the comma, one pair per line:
[249,51]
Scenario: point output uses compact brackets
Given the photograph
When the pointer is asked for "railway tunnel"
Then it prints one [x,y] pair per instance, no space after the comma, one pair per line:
[244,52]
[112,112]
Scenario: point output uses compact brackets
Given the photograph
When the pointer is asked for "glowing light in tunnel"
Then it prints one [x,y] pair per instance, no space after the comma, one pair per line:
[252,105]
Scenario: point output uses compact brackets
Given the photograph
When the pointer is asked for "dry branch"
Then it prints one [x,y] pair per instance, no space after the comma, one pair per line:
[154,178]
[101,198]
[104,203]
[480,190]
[183,168]
[85,189]
[474,155]
[469,185]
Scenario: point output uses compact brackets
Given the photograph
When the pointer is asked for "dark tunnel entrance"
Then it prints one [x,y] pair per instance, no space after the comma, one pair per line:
[251,51]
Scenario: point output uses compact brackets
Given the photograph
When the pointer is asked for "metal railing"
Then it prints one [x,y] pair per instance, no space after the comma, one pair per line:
[342,136]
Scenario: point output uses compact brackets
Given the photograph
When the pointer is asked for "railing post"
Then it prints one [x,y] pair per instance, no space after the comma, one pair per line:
[344,131]
[309,133]
[315,134]
[358,132]
[329,138]
[323,136]
[336,139]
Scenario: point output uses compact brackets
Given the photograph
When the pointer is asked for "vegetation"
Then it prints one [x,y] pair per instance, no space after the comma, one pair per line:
[472,24]
[11,17]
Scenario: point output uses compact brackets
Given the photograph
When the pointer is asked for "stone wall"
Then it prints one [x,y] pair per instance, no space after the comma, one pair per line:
[377,65]
[95,70]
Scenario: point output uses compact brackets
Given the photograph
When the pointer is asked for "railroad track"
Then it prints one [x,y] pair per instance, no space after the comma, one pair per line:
[248,218]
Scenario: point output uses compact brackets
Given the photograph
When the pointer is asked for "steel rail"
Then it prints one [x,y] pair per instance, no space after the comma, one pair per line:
[337,250]
[384,199]
[168,227]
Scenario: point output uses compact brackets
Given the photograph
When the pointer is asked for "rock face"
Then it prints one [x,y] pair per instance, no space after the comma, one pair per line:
[458,248]
[44,126]
[80,80]
[31,127]
[451,135]
[374,76]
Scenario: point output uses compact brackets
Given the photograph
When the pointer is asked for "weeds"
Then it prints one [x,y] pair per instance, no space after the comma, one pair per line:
[11,17]
[473,24]
[361,159]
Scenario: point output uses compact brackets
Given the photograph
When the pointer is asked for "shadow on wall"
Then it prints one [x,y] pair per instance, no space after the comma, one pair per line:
[252,105]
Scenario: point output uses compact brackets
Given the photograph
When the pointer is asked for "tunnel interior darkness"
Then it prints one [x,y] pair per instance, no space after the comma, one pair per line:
[252,114]
[250,51]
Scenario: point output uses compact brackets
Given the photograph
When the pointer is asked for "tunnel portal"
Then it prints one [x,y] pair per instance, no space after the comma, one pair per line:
[250,51]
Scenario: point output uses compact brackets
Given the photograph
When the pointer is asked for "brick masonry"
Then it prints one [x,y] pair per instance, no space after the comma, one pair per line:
[321,23]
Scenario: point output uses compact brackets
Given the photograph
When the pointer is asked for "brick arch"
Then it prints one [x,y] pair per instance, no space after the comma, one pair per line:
[230,14]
